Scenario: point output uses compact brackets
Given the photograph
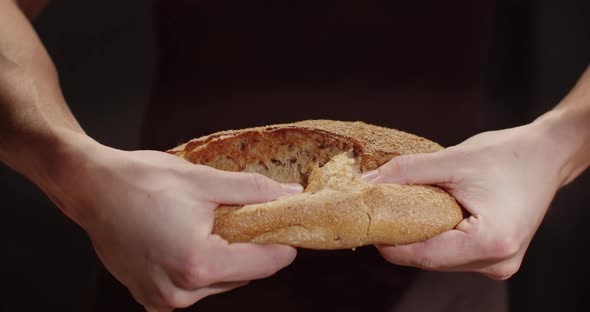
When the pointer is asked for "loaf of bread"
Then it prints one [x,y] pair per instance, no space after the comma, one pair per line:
[337,209]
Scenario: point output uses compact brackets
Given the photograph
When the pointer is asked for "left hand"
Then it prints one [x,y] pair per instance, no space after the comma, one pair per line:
[505,179]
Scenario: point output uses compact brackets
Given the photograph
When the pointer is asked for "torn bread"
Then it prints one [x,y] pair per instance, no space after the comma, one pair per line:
[337,209]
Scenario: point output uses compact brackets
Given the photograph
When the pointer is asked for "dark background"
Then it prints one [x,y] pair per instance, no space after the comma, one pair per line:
[104,51]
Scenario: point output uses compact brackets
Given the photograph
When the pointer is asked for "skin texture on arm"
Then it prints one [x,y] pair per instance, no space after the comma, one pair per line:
[32,105]
[506,179]
[149,214]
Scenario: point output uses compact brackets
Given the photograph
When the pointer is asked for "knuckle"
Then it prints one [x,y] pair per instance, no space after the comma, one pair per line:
[164,295]
[259,181]
[503,248]
[400,165]
[504,271]
[171,298]
[396,169]
[265,187]
[427,263]
[197,274]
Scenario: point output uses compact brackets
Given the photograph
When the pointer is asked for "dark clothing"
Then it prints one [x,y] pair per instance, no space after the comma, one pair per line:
[412,65]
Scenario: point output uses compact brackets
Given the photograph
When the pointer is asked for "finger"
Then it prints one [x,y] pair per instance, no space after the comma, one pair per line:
[245,261]
[505,269]
[468,248]
[234,262]
[238,188]
[492,268]
[150,299]
[214,289]
[430,168]
[451,249]
[182,298]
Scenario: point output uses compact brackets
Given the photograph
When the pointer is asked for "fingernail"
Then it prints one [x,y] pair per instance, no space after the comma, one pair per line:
[370,175]
[292,188]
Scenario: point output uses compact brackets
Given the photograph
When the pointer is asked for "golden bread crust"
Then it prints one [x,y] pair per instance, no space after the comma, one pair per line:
[337,209]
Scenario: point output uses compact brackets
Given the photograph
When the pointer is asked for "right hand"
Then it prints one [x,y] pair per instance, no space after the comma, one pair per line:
[150,214]
[505,179]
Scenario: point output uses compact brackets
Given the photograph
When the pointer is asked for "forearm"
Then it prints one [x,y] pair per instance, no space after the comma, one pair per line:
[39,136]
[567,128]
[35,122]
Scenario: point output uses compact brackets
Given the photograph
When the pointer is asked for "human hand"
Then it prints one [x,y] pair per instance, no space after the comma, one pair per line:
[150,214]
[505,179]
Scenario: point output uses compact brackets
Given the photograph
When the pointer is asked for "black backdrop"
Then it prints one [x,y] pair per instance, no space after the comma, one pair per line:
[105,56]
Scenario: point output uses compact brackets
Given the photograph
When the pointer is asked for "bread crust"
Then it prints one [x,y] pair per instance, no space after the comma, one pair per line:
[337,209]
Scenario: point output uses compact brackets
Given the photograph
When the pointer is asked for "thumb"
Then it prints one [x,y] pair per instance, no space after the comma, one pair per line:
[239,188]
[430,168]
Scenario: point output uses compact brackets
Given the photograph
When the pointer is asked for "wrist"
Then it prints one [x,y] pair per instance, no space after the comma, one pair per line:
[566,134]
[68,171]
[56,161]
